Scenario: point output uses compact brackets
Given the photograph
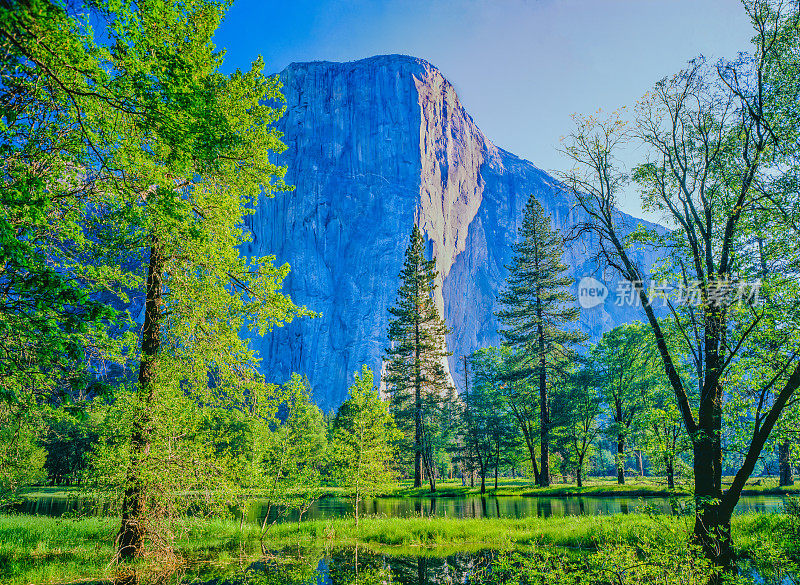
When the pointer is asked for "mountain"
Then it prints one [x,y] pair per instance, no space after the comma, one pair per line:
[374,146]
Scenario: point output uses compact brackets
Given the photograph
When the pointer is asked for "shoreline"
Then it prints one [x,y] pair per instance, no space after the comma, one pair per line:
[449,491]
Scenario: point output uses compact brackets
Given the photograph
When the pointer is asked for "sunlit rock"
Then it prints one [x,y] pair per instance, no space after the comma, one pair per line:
[373,146]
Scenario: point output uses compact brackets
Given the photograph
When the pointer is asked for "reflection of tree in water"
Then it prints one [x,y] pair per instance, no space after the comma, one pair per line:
[376,568]
[276,568]
[354,566]
[345,566]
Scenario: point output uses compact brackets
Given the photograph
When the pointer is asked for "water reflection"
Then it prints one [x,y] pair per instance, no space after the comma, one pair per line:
[355,566]
[450,507]
[504,507]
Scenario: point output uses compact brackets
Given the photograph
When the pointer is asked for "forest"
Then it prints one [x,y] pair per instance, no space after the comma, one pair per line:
[141,443]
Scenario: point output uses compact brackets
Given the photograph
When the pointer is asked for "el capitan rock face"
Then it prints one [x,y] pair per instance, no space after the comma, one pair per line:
[373,146]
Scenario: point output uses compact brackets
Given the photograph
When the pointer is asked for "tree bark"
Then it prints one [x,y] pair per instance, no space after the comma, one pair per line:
[131,532]
[544,411]
[784,465]
[532,453]
[526,432]
[670,465]
[621,459]
[496,465]
[712,528]
[579,474]
[432,480]
[417,413]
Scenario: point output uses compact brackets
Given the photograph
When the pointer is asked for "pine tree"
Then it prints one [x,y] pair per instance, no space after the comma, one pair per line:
[538,307]
[416,377]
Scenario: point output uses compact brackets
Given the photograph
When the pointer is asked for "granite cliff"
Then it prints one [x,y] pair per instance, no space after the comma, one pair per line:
[374,146]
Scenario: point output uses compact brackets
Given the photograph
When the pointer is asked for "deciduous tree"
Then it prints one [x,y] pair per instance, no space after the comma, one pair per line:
[712,133]
[620,360]
[364,441]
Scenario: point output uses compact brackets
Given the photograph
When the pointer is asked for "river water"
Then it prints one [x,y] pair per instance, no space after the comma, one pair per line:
[450,507]
[349,566]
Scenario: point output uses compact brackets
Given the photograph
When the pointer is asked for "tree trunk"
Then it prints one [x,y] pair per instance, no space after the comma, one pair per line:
[131,532]
[620,459]
[670,465]
[579,475]
[712,528]
[417,416]
[640,461]
[526,432]
[536,475]
[784,465]
[496,465]
[483,480]
[544,411]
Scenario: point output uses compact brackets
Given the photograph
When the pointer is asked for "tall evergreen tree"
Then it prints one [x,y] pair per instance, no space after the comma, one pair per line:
[416,377]
[538,308]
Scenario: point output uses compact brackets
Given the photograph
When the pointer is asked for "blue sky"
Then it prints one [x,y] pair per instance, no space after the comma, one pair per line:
[521,68]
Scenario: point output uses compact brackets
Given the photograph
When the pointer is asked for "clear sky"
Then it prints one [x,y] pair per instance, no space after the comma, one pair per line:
[521,68]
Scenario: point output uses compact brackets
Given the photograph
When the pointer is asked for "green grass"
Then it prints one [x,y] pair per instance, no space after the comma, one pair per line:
[593,487]
[38,549]
[52,491]
[447,534]
[634,487]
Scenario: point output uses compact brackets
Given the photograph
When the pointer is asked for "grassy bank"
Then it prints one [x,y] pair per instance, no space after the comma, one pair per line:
[36,549]
[443,535]
[597,488]
[593,487]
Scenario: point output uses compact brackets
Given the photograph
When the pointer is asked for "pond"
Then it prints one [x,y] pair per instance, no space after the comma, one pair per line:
[350,566]
[322,566]
[450,506]
[357,566]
